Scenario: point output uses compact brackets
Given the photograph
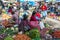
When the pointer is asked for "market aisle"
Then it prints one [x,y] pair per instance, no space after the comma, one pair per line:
[53,22]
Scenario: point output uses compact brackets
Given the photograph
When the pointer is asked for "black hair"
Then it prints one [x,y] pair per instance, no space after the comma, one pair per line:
[25,17]
[10,3]
[34,12]
[10,7]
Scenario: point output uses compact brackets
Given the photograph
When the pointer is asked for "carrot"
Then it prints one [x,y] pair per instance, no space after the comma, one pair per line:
[22,37]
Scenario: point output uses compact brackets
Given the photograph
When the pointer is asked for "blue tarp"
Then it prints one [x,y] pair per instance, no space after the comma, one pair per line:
[21,0]
[31,3]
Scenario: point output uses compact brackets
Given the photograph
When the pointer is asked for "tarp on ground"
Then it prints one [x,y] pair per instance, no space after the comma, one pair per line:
[31,3]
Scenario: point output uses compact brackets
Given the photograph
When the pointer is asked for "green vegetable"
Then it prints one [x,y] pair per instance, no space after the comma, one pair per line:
[51,31]
[2,30]
[46,25]
[11,31]
[34,33]
[8,38]
[27,33]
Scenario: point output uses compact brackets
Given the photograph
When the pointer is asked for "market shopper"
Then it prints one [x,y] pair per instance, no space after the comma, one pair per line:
[14,7]
[52,8]
[24,26]
[10,10]
[15,16]
[38,15]
[34,22]
[33,17]
[1,4]
[5,4]
[25,7]
[58,9]
[44,10]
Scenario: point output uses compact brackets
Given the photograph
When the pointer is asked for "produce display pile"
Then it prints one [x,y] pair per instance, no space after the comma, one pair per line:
[7,33]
